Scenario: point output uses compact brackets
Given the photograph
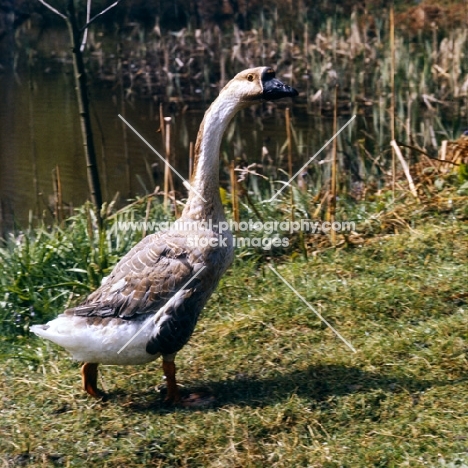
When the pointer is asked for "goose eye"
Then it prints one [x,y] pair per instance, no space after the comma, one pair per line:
[250,77]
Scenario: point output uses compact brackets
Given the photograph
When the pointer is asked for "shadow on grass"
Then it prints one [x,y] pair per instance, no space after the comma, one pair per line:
[317,383]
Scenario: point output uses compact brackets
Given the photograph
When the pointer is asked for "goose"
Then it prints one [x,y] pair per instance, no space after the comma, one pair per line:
[150,303]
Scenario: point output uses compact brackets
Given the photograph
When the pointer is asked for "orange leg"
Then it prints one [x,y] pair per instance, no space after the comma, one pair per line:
[194,400]
[169,370]
[89,378]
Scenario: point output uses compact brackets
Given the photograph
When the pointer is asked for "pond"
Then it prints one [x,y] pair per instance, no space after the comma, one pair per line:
[40,143]
[40,132]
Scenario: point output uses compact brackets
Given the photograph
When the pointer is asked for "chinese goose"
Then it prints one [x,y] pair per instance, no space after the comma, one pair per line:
[149,305]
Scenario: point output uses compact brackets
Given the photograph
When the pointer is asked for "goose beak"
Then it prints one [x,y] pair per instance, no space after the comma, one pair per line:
[274,88]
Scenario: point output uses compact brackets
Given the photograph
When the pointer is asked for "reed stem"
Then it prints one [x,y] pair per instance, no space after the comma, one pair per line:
[332,204]
[58,209]
[392,94]
[405,166]
[290,162]
[190,169]
[234,198]
[167,133]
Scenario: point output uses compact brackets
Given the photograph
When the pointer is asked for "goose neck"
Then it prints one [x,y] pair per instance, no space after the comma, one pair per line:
[204,201]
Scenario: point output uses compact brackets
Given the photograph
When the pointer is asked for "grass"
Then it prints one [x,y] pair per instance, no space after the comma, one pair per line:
[288,392]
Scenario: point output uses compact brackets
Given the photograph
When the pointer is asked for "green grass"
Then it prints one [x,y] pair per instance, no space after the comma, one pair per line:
[288,392]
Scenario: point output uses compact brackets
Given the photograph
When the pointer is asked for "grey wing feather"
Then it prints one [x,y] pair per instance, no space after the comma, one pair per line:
[175,326]
[144,279]
[149,280]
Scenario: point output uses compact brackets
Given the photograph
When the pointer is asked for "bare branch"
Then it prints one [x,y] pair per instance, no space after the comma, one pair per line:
[100,14]
[85,35]
[428,155]
[51,8]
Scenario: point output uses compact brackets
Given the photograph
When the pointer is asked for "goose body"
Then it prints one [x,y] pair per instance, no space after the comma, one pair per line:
[150,303]
[143,292]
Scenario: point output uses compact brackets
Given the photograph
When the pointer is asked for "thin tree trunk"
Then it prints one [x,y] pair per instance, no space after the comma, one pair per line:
[83,108]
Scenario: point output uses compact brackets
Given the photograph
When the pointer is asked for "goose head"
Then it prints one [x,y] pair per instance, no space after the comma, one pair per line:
[247,88]
[257,84]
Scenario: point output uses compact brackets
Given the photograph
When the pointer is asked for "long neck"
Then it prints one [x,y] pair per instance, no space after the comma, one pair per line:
[205,179]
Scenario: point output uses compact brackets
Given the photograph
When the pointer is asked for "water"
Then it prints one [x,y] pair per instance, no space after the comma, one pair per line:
[39,131]
[39,126]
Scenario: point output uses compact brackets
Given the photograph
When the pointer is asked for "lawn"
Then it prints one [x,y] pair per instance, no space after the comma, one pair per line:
[288,391]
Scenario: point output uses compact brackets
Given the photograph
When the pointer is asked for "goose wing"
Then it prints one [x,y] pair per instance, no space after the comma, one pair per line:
[145,279]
